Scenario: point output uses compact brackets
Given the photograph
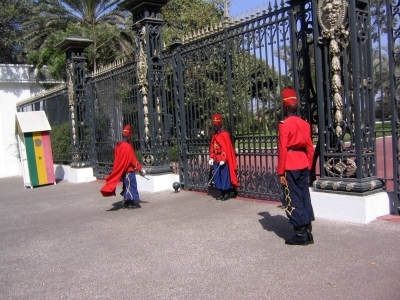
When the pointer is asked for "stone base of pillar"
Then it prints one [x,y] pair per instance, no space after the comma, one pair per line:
[73,175]
[350,208]
[364,186]
[156,183]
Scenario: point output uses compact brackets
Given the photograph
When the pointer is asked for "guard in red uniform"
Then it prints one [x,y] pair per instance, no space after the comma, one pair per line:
[223,158]
[125,165]
[295,155]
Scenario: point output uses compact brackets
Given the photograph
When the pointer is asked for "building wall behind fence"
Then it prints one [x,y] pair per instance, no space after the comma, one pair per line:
[17,83]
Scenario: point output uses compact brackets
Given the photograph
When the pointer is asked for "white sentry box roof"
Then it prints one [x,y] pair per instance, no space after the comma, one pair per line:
[33,121]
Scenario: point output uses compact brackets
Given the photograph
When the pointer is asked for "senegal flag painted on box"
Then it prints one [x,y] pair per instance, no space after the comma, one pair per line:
[40,157]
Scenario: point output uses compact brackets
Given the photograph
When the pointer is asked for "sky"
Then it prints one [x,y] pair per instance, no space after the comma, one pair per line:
[239,7]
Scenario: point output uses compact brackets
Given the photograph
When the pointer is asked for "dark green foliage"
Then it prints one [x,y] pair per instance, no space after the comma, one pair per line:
[174,153]
[12,14]
[139,155]
[107,25]
[54,20]
[183,17]
[60,136]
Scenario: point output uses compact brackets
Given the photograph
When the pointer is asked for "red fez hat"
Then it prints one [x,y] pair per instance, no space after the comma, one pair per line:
[289,97]
[217,119]
[127,130]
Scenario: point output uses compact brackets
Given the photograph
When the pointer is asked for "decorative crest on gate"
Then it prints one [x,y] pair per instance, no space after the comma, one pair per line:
[331,16]
[142,77]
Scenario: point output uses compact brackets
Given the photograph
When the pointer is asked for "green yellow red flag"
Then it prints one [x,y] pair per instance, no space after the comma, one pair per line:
[40,157]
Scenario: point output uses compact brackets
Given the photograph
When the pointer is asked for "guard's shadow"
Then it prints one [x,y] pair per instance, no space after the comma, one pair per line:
[213,192]
[116,206]
[277,224]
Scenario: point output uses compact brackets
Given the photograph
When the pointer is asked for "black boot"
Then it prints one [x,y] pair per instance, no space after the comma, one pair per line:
[227,196]
[301,237]
[309,234]
[136,204]
[235,193]
[133,204]
[222,196]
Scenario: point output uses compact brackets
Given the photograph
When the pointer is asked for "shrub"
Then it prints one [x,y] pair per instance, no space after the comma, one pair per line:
[174,153]
[60,136]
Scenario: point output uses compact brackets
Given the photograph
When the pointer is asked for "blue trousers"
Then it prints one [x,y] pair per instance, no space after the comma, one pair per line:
[299,211]
[129,187]
[222,179]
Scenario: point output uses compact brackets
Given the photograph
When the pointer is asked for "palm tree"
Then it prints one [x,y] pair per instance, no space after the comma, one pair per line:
[12,14]
[99,20]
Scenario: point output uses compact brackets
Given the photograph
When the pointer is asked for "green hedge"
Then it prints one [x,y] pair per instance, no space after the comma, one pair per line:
[60,136]
[174,153]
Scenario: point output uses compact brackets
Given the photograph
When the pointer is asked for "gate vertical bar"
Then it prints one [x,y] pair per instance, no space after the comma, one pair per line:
[90,117]
[303,35]
[293,46]
[116,128]
[180,116]
[229,79]
[356,78]
[319,84]
[393,12]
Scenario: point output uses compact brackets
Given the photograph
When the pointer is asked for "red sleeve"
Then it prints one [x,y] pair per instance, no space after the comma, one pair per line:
[282,148]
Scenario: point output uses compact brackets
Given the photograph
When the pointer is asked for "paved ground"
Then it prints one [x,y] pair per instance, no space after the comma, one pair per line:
[65,241]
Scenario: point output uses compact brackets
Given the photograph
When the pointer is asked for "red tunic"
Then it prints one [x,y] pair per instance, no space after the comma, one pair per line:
[294,134]
[124,161]
[221,150]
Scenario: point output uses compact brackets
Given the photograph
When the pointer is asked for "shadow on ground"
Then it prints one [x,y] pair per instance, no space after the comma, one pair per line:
[277,224]
[116,206]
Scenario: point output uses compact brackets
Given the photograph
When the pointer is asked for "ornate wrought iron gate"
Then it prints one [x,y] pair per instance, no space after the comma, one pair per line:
[238,69]
[113,104]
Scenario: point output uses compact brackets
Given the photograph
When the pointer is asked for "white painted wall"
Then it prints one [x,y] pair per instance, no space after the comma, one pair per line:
[17,83]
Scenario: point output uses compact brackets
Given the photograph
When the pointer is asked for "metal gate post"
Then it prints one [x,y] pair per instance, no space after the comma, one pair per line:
[346,125]
[74,48]
[154,121]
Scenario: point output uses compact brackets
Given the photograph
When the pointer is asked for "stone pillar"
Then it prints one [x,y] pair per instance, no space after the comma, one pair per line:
[154,122]
[74,47]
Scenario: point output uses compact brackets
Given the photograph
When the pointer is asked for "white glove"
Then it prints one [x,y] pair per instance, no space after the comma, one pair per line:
[211,161]
[142,172]
[221,163]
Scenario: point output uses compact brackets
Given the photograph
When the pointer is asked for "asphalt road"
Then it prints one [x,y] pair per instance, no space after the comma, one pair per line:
[66,241]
